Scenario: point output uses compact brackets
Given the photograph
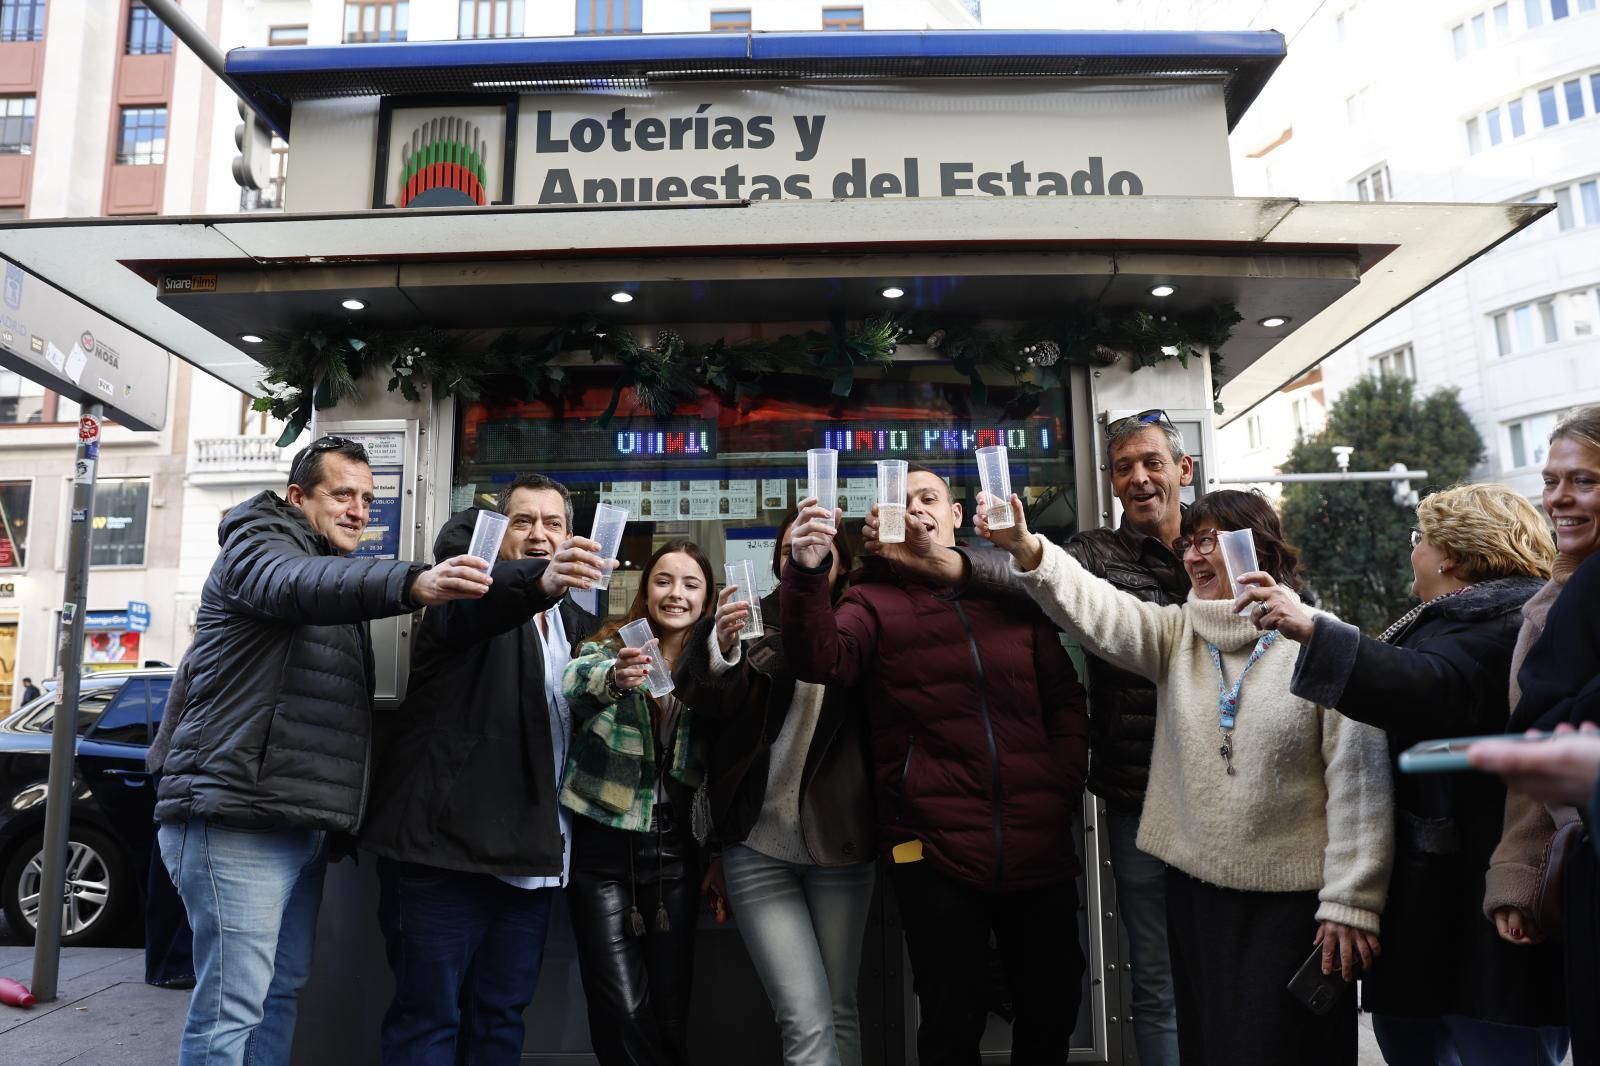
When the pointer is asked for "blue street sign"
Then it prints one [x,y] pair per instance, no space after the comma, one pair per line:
[138,616]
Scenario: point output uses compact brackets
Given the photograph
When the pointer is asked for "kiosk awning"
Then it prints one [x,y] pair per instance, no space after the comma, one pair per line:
[196,286]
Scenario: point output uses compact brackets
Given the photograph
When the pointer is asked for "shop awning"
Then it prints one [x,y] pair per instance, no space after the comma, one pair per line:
[197,285]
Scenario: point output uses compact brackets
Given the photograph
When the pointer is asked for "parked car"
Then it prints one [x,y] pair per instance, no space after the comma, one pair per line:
[113,801]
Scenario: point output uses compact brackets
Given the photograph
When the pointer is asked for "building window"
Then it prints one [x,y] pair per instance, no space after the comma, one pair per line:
[1534,10]
[368,21]
[1399,363]
[1564,214]
[1547,106]
[121,517]
[1252,426]
[1529,439]
[1491,119]
[1558,102]
[843,18]
[21,20]
[147,35]
[1583,309]
[1514,116]
[142,140]
[482,19]
[610,16]
[1558,9]
[1474,145]
[1502,19]
[731,21]
[1458,37]
[16,125]
[1374,185]
[21,400]
[1526,327]
[285,35]
[15,497]
[1574,93]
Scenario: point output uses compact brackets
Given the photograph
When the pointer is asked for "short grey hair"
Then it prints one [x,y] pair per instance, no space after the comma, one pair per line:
[1133,429]
[538,483]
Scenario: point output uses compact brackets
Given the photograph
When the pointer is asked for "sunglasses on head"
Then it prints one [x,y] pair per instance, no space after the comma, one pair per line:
[323,444]
[1153,417]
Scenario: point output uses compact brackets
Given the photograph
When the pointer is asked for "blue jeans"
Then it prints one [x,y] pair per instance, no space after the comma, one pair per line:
[1456,1041]
[252,899]
[803,926]
[1142,899]
[465,949]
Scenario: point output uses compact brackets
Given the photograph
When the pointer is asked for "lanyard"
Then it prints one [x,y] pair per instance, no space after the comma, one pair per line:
[1228,697]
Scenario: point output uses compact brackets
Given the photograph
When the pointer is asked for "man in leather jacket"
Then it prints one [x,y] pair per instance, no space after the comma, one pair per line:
[1149,468]
[270,753]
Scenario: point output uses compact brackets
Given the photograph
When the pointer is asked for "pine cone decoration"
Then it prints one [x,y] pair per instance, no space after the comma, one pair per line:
[935,339]
[1046,353]
[668,340]
[1106,355]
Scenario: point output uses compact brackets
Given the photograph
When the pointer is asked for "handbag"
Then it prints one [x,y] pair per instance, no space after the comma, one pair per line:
[1548,899]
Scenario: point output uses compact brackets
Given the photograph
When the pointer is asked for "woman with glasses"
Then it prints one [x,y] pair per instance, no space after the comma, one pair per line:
[1448,989]
[1272,813]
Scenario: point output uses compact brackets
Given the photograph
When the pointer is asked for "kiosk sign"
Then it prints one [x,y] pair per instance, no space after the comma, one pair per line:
[775,142]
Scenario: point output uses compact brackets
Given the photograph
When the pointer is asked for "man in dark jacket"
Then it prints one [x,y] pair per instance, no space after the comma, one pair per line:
[464,814]
[1149,467]
[270,754]
[979,744]
[30,691]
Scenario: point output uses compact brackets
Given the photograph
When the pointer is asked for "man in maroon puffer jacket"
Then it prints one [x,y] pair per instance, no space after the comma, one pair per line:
[979,741]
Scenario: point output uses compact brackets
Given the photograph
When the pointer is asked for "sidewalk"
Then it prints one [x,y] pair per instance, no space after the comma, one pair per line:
[106,1015]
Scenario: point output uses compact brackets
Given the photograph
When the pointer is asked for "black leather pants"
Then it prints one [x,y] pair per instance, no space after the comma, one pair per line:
[637,986]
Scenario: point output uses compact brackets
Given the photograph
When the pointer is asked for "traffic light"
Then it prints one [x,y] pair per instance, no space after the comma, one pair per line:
[252,167]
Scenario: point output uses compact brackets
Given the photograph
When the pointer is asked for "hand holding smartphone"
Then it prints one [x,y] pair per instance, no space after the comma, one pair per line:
[1450,755]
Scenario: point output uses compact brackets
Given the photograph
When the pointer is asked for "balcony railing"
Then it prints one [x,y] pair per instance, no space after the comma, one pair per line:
[220,454]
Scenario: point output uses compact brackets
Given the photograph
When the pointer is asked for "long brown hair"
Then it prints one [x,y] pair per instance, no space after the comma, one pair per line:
[639,608]
[1229,509]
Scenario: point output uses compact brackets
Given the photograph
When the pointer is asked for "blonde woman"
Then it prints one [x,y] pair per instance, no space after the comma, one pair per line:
[1447,989]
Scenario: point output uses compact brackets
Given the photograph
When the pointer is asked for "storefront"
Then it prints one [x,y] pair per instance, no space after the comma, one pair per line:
[750,212]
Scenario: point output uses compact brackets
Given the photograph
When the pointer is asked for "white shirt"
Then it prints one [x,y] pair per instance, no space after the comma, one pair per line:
[557,653]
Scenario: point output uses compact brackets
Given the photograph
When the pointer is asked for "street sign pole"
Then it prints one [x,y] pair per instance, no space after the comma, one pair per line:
[64,730]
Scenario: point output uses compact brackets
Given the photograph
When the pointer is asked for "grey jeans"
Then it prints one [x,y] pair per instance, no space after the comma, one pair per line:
[803,926]
[1142,899]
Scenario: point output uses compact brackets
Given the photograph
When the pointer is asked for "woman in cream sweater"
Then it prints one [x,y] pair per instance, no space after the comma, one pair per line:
[1274,820]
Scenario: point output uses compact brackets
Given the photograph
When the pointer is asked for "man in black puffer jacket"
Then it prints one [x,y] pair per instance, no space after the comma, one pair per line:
[464,818]
[270,754]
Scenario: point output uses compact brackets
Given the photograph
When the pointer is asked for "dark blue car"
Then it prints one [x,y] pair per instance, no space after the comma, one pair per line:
[112,804]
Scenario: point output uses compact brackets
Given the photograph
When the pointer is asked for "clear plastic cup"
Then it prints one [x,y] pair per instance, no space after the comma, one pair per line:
[892,501]
[487,534]
[609,523]
[742,575]
[994,477]
[637,634]
[822,478]
[1238,548]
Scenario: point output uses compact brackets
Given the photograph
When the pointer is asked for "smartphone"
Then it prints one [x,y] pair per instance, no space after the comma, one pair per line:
[1318,991]
[1450,754]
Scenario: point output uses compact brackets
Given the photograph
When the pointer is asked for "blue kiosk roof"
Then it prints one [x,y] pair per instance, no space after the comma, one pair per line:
[274,78]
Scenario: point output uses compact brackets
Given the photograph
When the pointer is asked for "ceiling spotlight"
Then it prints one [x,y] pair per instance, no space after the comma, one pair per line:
[1162,290]
[1274,321]
[893,293]
[353,304]
[622,297]
[250,338]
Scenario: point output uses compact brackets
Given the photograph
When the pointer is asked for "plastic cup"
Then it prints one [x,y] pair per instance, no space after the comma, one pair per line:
[1238,548]
[822,478]
[742,576]
[892,501]
[994,477]
[609,523]
[637,634]
[487,534]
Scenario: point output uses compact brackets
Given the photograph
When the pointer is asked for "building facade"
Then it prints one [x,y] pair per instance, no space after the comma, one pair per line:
[1440,100]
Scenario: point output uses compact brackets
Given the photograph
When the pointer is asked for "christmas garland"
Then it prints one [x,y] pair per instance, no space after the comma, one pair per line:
[321,367]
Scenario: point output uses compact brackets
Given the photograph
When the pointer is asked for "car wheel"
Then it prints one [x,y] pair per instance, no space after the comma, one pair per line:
[99,887]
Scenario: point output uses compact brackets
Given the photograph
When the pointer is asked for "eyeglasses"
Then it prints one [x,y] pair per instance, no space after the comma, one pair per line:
[1416,537]
[327,443]
[1153,417]
[1205,544]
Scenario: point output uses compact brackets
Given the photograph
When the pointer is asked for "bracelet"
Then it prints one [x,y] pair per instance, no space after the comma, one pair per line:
[613,693]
